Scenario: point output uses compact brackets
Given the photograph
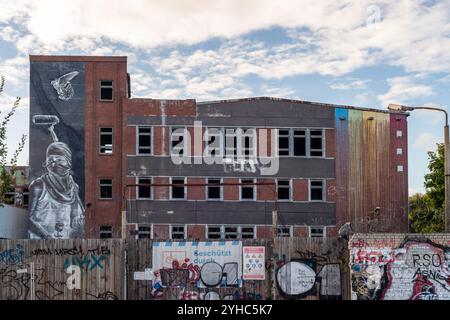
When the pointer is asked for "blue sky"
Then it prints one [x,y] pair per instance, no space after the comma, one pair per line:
[364,53]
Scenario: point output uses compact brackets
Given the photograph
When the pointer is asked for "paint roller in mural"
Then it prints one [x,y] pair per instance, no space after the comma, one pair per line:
[56,210]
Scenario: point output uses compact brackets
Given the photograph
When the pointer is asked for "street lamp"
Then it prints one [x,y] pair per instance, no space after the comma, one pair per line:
[401,108]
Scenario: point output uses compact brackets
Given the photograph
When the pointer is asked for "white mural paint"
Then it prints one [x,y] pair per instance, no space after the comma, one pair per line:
[63,86]
[56,211]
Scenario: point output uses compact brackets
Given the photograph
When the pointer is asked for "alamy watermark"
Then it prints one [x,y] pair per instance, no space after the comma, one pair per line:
[237,149]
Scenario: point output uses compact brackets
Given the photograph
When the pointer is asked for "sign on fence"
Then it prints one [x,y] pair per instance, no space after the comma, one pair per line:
[254,263]
[208,264]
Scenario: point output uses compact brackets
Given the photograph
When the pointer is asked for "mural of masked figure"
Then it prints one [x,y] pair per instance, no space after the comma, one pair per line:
[56,210]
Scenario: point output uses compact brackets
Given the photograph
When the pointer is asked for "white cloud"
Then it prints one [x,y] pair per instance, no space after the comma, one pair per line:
[426,141]
[328,37]
[403,89]
[277,92]
[349,84]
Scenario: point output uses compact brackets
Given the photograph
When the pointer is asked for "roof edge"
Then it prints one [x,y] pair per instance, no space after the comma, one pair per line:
[56,58]
[300,101]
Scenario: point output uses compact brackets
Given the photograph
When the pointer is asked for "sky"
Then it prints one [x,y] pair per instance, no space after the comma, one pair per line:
[363,53]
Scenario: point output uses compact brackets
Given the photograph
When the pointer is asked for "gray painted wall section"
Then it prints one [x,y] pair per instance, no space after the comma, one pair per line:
[13,222]
[231,212]
[289,167]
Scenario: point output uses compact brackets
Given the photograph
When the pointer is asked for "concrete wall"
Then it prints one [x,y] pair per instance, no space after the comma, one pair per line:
[400,266]
[13,222]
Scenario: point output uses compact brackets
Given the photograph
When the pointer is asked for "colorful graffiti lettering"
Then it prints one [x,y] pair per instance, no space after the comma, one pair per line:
[87,263]
[12,256]
[418,269]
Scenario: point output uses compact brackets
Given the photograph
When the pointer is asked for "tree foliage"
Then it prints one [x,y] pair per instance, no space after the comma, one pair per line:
[426,212]
[6,176]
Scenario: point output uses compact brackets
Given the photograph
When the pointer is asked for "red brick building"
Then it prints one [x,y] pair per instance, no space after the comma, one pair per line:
[336,164]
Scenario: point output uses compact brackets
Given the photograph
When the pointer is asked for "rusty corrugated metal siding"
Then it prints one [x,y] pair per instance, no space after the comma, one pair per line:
[366,171]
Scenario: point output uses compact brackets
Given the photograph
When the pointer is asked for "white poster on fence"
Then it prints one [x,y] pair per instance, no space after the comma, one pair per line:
[208,264]
[254,263]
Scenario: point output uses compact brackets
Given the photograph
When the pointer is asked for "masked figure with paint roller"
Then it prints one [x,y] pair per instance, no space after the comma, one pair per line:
[56,210]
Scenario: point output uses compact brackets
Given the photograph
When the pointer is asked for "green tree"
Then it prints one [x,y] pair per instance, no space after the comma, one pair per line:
[426,212]
[6,176]
[435,179]
[424,216]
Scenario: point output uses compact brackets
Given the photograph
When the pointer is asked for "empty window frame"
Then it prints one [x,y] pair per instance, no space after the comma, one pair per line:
[144,140]
[230,232]
[247,232]
[317,190]
[214,232]
[316,232]
[106,232]
[284,189]
[247,189]
[106,140]
[214,189]
[316,143]
[144,231]
[177,232]
[106,90]
[283,142]
[299,142]
[284,231]
[105,188]
[178,190]
[231,143]
[144,189]
[178,140]
[247,137]
[214,143]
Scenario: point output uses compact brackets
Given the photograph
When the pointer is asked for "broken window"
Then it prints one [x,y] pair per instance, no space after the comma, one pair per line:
[106,140]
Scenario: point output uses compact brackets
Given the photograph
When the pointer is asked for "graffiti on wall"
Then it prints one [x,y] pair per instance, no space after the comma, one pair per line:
[42,272]
[298,278]
[196,264]
[56,150]
[12,256]
[417,269]
[309,273]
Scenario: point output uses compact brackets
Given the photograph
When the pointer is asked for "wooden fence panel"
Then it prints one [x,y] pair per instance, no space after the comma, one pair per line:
[36,269]
[295,268]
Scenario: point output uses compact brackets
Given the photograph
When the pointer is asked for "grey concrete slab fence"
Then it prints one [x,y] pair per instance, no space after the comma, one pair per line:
[253,269]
